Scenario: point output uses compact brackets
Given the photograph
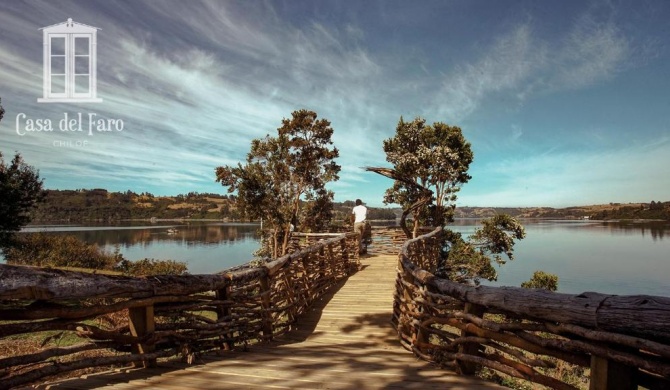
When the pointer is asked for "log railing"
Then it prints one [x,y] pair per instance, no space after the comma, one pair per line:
[386,240]
[118,320]
[561,341]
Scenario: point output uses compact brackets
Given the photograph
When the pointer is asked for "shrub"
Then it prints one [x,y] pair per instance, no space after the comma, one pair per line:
[543,280]
[148,266]
[49,250]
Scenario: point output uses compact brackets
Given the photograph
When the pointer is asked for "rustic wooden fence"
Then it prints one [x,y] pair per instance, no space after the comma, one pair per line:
[385,240]
[161,316]
[619,342]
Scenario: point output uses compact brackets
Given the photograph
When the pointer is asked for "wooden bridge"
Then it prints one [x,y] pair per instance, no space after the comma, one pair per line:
[344,341]
[322,317]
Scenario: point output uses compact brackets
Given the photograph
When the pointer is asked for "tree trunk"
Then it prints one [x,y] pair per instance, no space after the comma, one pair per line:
[275,244]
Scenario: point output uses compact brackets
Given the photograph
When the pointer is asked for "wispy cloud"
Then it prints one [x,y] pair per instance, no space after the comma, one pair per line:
[191,99]
[521,65]
[574,177]
[593,51]
[511,60]
[195,84]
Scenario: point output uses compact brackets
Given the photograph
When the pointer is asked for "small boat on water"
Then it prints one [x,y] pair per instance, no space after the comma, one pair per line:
[172,231]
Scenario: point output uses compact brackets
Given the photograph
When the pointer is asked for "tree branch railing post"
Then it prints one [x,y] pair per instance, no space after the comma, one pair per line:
[142,324]
[610,375]
[266,305]
[465,367]
[223,313]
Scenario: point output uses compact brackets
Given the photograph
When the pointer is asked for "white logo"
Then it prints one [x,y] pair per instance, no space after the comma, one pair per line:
[69,63]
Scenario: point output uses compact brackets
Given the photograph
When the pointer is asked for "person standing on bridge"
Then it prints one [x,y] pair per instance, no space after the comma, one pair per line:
[360,214]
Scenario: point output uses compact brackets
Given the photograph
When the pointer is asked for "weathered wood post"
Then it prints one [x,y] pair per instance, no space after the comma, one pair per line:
[346,256]
[325,272]
[142,323]
[334,267]
[422,337]
[405,327]
[468,368]
[266,304]
[609,375]
[223,311]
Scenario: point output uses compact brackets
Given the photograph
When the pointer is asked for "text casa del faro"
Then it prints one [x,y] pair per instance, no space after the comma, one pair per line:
[89,124]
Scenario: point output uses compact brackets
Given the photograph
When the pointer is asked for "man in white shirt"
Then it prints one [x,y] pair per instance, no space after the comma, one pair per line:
[360,213]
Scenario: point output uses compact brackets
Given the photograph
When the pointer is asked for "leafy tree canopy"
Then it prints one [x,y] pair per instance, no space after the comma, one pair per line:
[282,170]
[430,164]
[437,158]
[541,279]
[20,191]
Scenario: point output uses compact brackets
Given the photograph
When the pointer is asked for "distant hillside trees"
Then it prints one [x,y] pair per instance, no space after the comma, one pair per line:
[653,210]
[282,170]
[99,205]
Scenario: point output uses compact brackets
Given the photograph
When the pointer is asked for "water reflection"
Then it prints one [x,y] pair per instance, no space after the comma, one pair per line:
[612,258]
[656,230]
[131,235]
[204,247]
[608,257]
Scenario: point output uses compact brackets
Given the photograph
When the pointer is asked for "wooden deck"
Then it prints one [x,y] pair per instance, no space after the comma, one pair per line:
[346,342]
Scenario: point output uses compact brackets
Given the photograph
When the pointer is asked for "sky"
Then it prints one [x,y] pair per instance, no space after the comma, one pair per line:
[565,103]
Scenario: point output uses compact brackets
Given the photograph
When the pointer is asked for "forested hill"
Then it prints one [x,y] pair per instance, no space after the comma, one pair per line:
[102,205]
[652,210]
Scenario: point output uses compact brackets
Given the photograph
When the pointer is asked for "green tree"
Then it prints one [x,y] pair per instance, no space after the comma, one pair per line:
[281,171]
[51,250]
[472,260]
[20,191]
[55,250]
[316,215]
[437,158]
[543,280]
[430,165]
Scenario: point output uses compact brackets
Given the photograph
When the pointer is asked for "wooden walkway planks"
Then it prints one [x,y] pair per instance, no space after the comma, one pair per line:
[345,341]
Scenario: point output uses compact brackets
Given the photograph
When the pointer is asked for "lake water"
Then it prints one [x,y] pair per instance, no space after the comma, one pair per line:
[609,258]
[204,247]
[612,258]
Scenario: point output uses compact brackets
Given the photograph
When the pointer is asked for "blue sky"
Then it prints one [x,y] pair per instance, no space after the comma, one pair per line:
[564,102]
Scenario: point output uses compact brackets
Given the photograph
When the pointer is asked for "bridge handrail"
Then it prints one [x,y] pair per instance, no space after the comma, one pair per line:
[167,315]
[531,334]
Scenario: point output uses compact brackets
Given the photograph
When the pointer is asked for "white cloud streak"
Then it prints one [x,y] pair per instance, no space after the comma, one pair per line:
[576,178]
[194,85]
[523,66]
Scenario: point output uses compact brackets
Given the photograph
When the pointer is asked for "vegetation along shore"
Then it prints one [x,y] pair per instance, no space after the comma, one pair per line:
[101,205]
